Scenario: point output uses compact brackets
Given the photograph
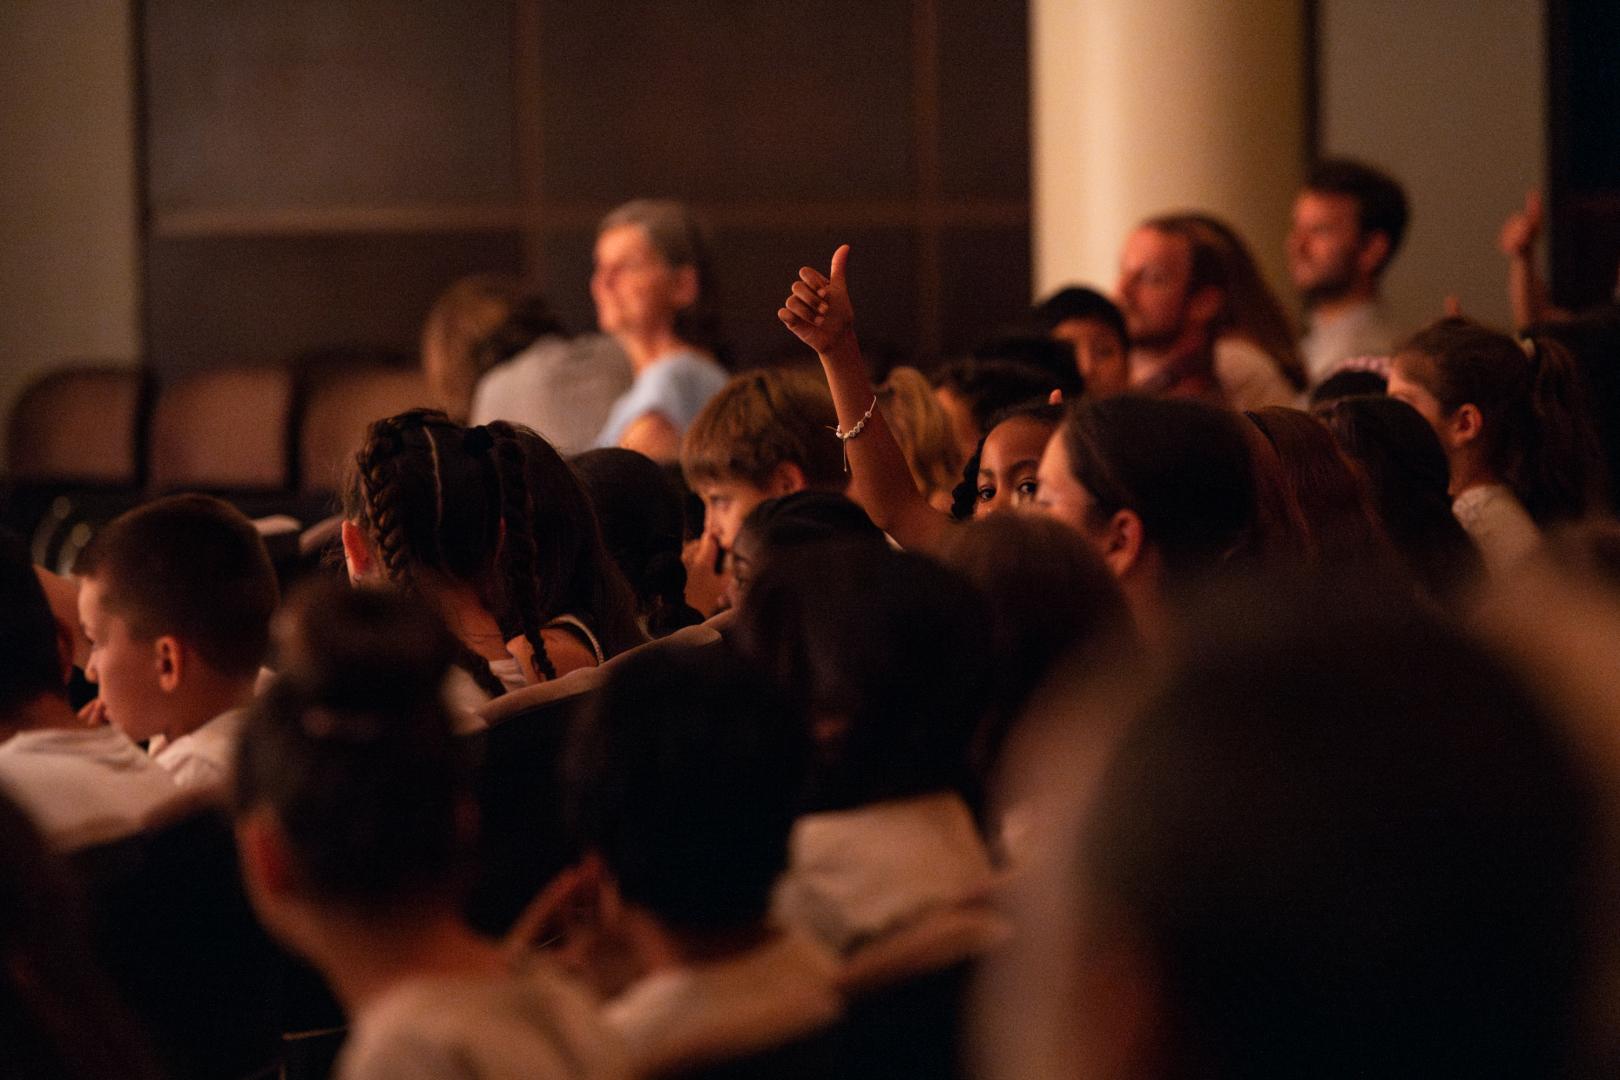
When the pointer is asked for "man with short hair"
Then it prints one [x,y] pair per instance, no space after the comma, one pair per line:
[1349,221]
[176,600]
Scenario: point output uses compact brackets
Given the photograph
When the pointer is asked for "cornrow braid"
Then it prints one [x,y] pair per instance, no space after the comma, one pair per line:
[517,557]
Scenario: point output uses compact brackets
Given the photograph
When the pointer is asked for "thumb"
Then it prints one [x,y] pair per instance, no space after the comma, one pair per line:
[1453,307]
[839,259]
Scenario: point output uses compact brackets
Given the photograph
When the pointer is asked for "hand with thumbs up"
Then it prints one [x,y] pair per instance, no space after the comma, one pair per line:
[818,310]
[1522,228]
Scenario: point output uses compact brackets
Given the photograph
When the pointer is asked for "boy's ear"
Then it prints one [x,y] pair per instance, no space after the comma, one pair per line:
[1122,544]
[785,479]
[170,659]
[1464,425]
[357,554]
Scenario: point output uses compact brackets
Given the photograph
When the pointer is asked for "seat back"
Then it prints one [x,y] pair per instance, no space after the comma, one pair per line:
[80,426]
[338,409]
[223,430]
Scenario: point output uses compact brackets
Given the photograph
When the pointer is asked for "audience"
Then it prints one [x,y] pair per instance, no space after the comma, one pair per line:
[1096,621]
[81,785]
[353,821]
[493,528]
[176,599]
[1349,220]
[655,294]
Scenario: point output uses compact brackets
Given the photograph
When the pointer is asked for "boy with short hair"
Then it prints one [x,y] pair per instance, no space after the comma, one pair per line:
[176,600]
[767,433]
[82,786]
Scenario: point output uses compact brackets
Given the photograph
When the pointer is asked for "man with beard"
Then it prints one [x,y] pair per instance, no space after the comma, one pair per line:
[1348,224]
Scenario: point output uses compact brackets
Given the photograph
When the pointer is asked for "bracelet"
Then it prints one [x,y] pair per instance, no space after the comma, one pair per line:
[854,431]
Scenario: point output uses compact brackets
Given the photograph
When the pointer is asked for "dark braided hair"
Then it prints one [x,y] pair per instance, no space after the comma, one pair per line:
[497,510]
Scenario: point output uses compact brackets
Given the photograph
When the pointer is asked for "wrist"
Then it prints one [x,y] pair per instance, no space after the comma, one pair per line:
[845,350]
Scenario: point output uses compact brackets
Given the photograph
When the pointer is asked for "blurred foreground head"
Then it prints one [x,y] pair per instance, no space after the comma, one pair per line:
[1341,839]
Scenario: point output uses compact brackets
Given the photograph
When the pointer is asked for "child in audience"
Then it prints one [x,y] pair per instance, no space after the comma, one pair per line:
[1310,854]
[973,391]
[176,600]
[1340,523]
[639,507]
[1514,425]
[493,528]
[1091,322]
[797,520]
[1001,473]
[923,431]
[765,434]
[1408,476]
[82,785]
[684,781]
[355,831]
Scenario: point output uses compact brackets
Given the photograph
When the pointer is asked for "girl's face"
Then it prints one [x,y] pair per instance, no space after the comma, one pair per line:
[1060,496]
[1007,465]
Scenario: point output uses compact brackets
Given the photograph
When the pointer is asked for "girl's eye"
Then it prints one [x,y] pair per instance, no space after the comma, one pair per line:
[1026,490]
[986,494]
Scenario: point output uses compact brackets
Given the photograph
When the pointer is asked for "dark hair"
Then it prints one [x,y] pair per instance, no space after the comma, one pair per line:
[1039,352]
[351,748]
[965,495]
[1049,597]
[1182,466]
[1347,382]
[1353,845]
[808,517]
[680,240]
[639,509]
[28,633]
[192,566]
[1336,507]
[60,1018]
[1380,200]
[1249,308]
[1406,471]
[1076,302]
[495,508]
[1593,341]
[888,645]
[992,386]
[761,419]
[1536,433]
[685,776]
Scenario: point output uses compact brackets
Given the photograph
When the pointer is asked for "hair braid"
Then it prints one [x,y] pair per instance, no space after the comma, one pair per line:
[516,557]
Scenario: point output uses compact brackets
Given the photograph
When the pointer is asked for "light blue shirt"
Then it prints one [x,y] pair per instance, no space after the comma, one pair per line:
[676,387]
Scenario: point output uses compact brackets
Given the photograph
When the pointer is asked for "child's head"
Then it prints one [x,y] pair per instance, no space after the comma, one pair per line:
[1001,473]
[1091,322]
[684,779]
[432,505]
[792,521]
[1506,411]
[923,431]
[888,650]
[767,433]
[176,601]
[36,660]
[351,790]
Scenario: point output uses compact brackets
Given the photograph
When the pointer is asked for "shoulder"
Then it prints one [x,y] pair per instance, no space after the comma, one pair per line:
[1250,376]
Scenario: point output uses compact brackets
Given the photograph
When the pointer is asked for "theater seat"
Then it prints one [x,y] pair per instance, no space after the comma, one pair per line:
[339,407]
[224,430]
[80,426]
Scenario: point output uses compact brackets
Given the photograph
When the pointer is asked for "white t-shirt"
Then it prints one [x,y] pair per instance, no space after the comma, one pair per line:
[206,758]
[86,786]
[1499,524]
[531,1024]
[561,388]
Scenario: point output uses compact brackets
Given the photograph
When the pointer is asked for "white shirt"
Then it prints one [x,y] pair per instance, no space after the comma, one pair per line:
[561,388]
[690,1016]
[86,786]
[530,1024]
[206,758]
[1249,377]
[1499,524]
[1362,330]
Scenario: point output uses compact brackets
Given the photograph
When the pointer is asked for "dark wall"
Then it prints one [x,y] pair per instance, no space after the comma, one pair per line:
[315,173]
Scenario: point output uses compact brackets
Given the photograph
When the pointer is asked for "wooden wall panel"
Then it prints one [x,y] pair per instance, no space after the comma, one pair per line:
[983,94]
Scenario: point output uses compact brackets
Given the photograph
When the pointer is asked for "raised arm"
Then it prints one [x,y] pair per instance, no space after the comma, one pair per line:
[1526,290]
[819,313]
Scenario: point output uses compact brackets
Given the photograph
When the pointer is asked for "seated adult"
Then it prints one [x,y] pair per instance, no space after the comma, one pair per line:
[353,823]
[684,781]
[81,785]
[654,294]
[176,599]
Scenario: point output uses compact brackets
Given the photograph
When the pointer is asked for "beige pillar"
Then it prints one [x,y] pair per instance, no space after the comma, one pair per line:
[1146,106]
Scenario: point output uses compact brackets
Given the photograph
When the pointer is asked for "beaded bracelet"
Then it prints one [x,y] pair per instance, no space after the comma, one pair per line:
[854,431]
